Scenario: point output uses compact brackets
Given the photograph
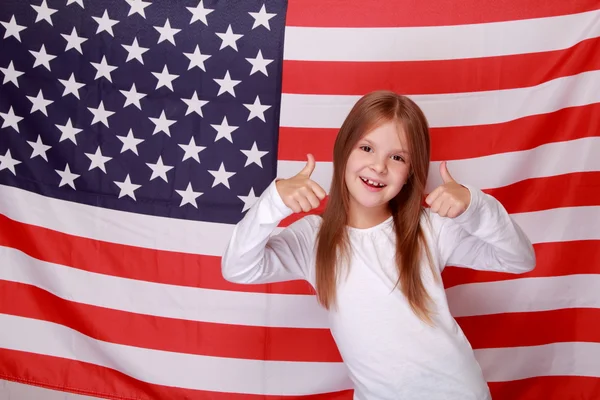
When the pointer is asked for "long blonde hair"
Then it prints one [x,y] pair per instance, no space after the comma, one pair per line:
[406,208]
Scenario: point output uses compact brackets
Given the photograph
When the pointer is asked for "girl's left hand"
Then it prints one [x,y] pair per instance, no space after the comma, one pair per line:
[450,199]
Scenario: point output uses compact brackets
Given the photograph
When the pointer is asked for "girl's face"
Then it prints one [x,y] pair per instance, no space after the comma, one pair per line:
[377,168]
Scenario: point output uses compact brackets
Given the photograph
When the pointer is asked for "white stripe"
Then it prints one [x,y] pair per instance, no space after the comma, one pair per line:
[269,377]
[454,109]
[493,171]
[181,302]
[555,359]
[525,295]
[277,310]
[114,226]
[19,391]
[560,224]
[229,375]
[440,42]
[503,169]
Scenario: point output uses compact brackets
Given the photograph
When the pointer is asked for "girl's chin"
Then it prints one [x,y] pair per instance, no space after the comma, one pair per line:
[369,203]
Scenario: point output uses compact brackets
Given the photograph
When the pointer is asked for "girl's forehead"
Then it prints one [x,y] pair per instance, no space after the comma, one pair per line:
[390,131]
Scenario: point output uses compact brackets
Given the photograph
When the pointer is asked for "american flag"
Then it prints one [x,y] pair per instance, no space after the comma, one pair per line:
[135,134]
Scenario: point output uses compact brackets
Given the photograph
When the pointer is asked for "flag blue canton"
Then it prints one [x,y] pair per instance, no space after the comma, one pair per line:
[167,108]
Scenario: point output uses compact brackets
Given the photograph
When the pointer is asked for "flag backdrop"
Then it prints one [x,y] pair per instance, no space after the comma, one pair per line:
[135,134]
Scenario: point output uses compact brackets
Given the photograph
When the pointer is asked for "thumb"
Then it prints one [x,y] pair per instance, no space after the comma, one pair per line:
[446,177]
[309,167]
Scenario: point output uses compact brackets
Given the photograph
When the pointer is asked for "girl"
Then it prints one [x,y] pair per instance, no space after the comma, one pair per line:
[376,254]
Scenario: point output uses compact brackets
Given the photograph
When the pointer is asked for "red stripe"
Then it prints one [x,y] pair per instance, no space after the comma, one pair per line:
[577,189]
[462,142]
[532,328]
[89,379]
[439,76]
[170,334]
[552,259]
[83,378]
[548,388]
[129,261]
[285,344]
[393,13]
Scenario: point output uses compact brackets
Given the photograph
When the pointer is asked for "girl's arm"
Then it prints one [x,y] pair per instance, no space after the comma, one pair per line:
[254,255]
[484,237]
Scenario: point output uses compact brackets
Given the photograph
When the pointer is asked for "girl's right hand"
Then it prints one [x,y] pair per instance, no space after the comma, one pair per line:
[299,192]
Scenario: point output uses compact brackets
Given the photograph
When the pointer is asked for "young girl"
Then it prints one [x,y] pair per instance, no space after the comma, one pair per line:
[376,254]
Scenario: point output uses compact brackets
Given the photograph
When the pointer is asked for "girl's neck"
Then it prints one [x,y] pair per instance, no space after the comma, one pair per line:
[364,218]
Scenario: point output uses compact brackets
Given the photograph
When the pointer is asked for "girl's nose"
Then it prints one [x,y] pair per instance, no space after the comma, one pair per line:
[379,166]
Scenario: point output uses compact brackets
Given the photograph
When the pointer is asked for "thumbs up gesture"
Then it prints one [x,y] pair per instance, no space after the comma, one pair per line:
[450,199]
[299,192]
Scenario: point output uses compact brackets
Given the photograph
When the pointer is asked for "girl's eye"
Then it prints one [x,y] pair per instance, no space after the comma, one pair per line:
[398,158]
[366,148]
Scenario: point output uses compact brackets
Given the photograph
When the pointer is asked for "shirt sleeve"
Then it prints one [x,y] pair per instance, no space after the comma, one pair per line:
[484,237]
[255,255]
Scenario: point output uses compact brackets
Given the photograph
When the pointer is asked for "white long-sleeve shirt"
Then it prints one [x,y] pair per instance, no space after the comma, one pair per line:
[388,351]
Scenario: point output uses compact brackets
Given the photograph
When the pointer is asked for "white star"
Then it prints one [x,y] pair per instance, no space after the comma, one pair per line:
[164,78]
[248,200]
[103,69]
[39,148]
[257,110]
[67,177]
[254,155]
[98,160]
[167,33]
[199,13]
[229,39]
[127,188]
[73,41]
[262,18]
[11,74]
[224,130]
[71,86]
[197,59]
[10,119]
[105,23]
[132,97]
[44,12]
[259,64]
[159,169]
[42,58]
[39,103]
[221,176]
[68,132]
[194,104]
[227,85]
[191,150]
[100,114]
[188,196]
[12,28]
[137,6]
[130,142]
[80,2]
[7,162]
[135,51]
[162,124]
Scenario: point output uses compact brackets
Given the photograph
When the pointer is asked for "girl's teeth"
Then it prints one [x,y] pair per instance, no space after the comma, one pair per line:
[370,182]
